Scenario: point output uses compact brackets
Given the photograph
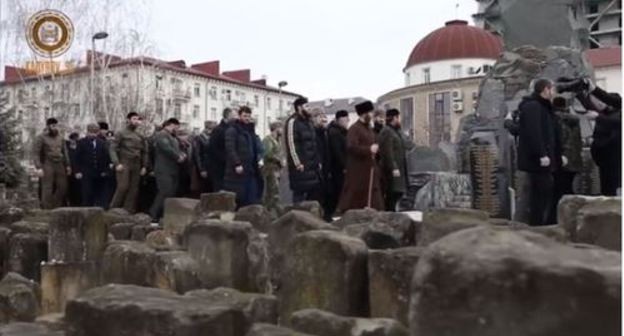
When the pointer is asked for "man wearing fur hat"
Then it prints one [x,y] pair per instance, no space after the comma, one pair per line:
[393,161]
[362,188]
[52,163]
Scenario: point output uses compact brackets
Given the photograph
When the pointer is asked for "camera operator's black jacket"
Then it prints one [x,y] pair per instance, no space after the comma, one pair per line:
[607,143]
[538,135]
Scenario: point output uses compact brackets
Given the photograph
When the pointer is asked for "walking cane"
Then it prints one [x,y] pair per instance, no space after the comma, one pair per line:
[370,185]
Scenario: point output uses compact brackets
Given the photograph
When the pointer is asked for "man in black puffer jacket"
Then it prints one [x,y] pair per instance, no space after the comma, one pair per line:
[302,153]
[539,148]
[216,150]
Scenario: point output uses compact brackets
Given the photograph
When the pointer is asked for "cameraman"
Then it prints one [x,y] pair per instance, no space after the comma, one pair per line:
[539,148]
[606,147]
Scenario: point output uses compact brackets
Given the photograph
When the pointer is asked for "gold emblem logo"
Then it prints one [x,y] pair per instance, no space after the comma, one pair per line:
[49,33]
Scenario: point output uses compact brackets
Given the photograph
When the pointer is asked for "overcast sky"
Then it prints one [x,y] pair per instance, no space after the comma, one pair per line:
[323,48]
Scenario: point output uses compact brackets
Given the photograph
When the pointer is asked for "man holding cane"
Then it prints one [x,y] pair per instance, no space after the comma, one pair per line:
[362,188]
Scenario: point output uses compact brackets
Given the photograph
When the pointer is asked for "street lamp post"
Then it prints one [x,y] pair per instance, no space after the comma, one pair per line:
[97,36]
[280,85]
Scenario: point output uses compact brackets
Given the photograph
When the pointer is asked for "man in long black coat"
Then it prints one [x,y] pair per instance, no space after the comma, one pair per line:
[337,139]
[216,150]
[539,148]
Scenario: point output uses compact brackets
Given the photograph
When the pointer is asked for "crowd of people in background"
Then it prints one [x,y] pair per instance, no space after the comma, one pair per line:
[342,167]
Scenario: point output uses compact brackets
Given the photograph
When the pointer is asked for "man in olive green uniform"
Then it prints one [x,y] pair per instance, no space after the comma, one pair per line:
[52,163]
[128,153]
[273,164]
[167,157]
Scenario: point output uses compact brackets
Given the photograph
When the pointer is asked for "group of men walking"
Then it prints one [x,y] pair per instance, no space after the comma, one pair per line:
[339,166]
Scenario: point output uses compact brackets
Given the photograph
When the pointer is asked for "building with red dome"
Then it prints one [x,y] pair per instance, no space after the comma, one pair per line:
[442,77]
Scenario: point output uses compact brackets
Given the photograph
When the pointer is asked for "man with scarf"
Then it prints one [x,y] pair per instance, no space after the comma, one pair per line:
[243,160]
[52,163]
[128,153]
[362,188]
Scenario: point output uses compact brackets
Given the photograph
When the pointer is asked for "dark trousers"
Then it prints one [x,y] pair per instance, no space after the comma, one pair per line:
[167,187]
[610,176]
[74,195]
[541,196]
[217,175]
[53,185]
[128,181]
[147,193]
[250,193]
[564,181]
[391,200]
[94,191]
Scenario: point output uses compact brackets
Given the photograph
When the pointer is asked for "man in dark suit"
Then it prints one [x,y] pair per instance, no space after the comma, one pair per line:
[92,164]
[216,150]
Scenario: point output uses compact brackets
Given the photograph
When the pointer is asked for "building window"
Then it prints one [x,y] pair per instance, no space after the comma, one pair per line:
[159,107]
[486,68]
[256,100]
[158,81]
[426,75]
[213,93]
[213,112]
[226,95]
[407,114]
[20,96]
[46,112]
[196,90]
[456,71]
[281,104]
[177,111]
[268,103]
[76,110]
[439,118]
[196,112]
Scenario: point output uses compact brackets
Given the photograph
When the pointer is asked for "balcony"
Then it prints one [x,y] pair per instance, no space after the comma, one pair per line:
[180,94]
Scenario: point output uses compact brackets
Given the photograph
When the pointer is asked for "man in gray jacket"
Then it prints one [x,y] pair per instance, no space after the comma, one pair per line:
[167,156]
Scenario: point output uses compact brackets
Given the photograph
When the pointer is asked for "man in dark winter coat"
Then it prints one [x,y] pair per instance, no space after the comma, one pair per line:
[302,154]
[92,168]
[322,144]
[74,186]
[539,148]
[337,138]
[216,149]
[362,188]
[242,165]
[393,160]
[569,128]
[201,156]
[606,148]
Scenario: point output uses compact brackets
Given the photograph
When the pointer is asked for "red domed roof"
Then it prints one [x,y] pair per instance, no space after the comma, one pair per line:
[456,40]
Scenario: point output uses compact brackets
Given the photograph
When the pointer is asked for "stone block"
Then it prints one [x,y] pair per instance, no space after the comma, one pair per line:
[24,226]
[122,231]
[490,281]
[438,223]
[26,252]
[61,282]
[220,248]
[257,215]
[312,207]
[133,310]
[600,223]
[224,201]
[258,308]
[176,271]
[178,213]
[28,329]
[77,234]
[264,329]
[140,232]
[318,322]
[19,299]
[325,270]
[390,274]
[128,262]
